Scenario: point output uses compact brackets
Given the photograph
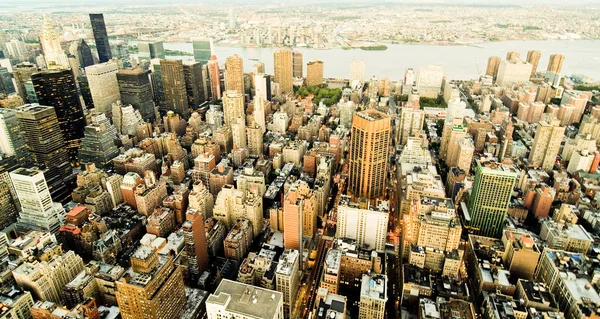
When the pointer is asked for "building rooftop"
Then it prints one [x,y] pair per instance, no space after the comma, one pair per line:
[372,115]
[428,309]
[381,206]
[8,297]
[332,306]
[457,309]
[247,300]
[332,261]
[580,288]
[538,293]
[374,287]
[492,167]
[195,300]
[567,262]
[503,307]
[82,279]
[287,261]
[142,252]
[29,172]
[569,230]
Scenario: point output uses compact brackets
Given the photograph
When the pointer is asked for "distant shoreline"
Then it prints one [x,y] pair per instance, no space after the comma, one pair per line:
[379,45]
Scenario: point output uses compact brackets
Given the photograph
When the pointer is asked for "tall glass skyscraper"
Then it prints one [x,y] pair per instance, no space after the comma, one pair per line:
[101,37]
[202,50]
[151,50]
[84,54]
[490,197]
[57,88]
[46,144]
[135,88]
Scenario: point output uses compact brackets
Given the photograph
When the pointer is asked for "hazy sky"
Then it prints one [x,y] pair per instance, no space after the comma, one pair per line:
[121,2]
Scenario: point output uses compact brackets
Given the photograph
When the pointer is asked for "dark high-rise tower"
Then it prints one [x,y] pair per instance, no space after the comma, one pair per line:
[158,89]
[193,83]
[101,37]
[6,82]
[174,85]
[86,94]
[57,88]
[135,89]
[84,53]
[46,144]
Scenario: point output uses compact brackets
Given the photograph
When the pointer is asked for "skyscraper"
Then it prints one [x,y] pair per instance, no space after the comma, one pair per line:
[357,72]
[12,139]
[57,89]
[37,209]
[202,50]
[46,144]
[192,72]
[234,74]
[492,66]
[362,222]
[8,202]
[153,287]
[100,37]
[411,123]
[231,20]
[98,146]
[136,90]
[314,72]
[287,276]
[233,107]
[151,50]
[174,85]
[259,67]
[298,64]
[17,49]
[238,132]
[262,86]
[84,54]
[512,55]
[546,145]
[533,57]
[6,82]
[22,73]
[512,72]
[259,113]
[283,70]
[158,89]
[214,78]
[195,243]
[254,135]
[429,80]
[555,63]
[369,152]
[490,197]
[54,55]
[104,86]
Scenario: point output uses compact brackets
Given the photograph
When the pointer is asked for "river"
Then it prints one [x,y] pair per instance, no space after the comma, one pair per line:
[460,62]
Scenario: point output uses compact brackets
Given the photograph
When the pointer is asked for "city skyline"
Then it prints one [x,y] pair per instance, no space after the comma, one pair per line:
[341,160]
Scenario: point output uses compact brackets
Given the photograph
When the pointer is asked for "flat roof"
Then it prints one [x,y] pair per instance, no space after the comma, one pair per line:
[247,300]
